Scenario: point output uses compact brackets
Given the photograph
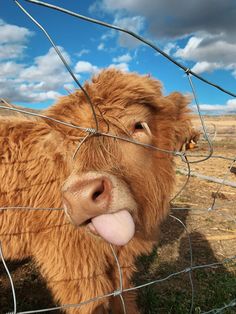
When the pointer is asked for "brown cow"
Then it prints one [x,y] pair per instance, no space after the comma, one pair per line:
[114,192]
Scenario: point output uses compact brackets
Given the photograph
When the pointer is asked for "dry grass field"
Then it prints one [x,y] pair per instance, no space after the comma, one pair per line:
[212,234]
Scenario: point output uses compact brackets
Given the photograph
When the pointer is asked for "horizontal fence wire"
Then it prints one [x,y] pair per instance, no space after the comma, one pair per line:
[184,156]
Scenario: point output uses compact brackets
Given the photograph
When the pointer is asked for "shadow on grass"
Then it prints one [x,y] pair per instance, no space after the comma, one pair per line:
[213,287]
[30,288]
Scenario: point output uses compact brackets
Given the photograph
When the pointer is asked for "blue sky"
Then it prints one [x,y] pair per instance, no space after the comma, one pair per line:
[199,34]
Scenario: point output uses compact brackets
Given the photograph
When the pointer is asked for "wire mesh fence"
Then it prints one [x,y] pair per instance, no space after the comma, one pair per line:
[182,207]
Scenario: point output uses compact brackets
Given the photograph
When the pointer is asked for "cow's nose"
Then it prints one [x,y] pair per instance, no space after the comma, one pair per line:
[86,198]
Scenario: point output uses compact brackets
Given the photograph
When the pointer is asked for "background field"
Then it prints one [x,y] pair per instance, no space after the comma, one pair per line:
[213,238]
[213,233]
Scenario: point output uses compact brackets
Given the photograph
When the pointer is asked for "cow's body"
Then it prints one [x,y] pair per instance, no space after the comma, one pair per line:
[36,159]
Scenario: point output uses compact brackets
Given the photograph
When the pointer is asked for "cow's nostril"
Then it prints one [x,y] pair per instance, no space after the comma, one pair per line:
[86,198]
[99,191]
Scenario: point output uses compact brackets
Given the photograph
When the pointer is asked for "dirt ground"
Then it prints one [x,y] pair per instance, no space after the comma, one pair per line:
[212,234]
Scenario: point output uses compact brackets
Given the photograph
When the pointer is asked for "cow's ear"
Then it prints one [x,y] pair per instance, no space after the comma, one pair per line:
[181,114]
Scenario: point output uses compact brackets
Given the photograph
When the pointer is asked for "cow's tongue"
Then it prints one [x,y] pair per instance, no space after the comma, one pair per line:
[116,228]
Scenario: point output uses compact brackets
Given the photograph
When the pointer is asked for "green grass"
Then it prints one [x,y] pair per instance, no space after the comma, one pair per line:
[213,288]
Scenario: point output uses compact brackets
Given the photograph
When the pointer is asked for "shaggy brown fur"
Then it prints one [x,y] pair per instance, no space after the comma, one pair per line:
[36,158]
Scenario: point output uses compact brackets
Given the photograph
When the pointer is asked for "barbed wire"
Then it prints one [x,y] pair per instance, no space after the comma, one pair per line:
[95,131]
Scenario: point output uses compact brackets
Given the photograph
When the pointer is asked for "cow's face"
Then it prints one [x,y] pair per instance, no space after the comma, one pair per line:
[119,189]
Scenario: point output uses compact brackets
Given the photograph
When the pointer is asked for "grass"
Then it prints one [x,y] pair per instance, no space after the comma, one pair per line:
[213,288]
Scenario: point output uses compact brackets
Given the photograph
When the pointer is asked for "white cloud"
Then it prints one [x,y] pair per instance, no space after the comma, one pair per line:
[13,33]
[11,51]
[85,67]
[228,108]
[206,47]
[48,69]
[205,66]
[108,35]
[45,64]
[105,46]
[120,66]
[43,96]
[169,47]
[37,82]
[10,69]
[12,40]
[123,58]
[134,24]
[231,105]
[207,107]
[69,87]
[209,52]
[82,52]
[101,46]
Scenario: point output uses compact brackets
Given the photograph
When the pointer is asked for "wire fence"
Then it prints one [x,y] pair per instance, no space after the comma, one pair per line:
[186,158]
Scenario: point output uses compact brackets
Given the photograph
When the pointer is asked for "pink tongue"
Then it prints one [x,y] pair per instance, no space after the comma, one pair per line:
[117,228]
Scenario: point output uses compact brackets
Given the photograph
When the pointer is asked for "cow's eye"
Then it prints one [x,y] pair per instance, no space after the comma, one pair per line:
[138,126]
[142,126]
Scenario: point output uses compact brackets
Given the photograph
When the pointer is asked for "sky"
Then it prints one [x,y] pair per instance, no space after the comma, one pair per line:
[199,34]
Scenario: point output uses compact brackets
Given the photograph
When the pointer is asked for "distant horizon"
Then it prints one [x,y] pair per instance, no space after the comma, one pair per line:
[194,110]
